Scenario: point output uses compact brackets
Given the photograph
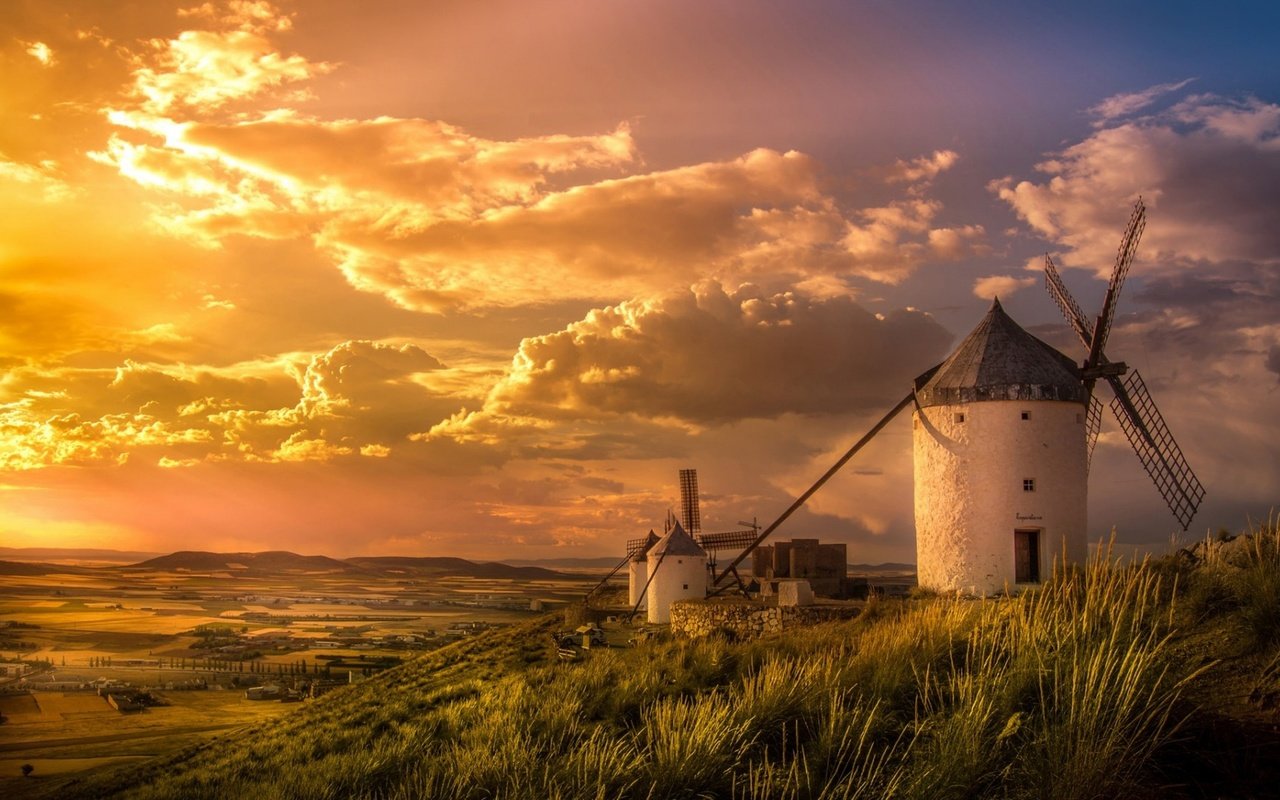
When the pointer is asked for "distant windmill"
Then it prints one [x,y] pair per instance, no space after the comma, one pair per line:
[1002,432]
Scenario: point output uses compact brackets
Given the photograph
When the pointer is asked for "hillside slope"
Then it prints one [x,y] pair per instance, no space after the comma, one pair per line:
[1103,683]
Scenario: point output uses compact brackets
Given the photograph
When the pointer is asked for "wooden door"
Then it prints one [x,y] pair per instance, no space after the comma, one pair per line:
[1026,556]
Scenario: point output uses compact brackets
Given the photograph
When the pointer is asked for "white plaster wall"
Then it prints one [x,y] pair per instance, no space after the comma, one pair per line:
[669,580]
[969,497]
[637,574]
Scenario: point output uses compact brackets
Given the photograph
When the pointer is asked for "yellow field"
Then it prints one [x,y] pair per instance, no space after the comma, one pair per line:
[76,621]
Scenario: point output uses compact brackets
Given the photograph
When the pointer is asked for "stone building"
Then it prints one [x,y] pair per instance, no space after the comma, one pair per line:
[823,565]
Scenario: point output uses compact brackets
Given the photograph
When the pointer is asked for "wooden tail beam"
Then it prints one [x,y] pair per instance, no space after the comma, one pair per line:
[606,578]
[903,403]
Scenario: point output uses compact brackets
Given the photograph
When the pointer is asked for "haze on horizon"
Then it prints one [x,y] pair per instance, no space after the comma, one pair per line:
[478,278]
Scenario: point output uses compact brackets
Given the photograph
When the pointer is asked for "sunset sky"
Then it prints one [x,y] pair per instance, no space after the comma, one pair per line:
[477,278]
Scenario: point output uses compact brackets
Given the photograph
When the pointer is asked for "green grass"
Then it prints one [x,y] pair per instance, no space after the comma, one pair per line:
[1083,688]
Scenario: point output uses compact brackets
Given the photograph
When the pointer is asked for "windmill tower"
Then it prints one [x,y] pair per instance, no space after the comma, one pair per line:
[1002,434]
[1001,472]
[638,569]
[677,571]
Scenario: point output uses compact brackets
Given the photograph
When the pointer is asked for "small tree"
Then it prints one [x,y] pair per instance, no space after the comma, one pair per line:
[27,769]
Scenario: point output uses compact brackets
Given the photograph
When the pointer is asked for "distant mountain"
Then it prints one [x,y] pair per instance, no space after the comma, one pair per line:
[443,565]
[606,562]
[278,561]
[56,554]
[28,568]
[269,561]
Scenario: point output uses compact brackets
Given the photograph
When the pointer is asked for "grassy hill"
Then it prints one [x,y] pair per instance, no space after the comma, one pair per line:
[1156,680]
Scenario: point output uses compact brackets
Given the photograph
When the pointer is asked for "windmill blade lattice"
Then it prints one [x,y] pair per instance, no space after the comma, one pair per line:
[1124,260]
[1159,453]
[1070,308]
[1093,424]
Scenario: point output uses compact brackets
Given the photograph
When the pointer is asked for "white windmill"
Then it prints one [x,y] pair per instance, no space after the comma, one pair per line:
[1002,433]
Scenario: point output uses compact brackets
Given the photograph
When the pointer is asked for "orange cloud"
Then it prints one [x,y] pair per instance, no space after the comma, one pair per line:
[437,219]
[922,168]
[701,357]
[990,287]
[202,70]
[359,397]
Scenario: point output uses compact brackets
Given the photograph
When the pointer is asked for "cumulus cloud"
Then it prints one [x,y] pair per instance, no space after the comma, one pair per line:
[704,357]
[41,52]
[359,398]
[436,218]
[990,287]
[922,168]
[1208,169]
[203,70]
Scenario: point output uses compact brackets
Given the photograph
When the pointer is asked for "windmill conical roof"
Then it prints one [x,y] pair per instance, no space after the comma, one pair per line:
[1001,361]
[649,542]
[677,543]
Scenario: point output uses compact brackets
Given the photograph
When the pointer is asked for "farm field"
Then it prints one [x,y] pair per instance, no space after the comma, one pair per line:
[164,632]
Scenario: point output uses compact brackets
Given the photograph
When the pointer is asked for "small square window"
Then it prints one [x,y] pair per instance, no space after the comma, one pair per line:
[960,416]
[1028,484]
[686,586]
[1026,415]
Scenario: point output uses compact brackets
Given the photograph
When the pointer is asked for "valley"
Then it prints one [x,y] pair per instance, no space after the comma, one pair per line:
[185,636]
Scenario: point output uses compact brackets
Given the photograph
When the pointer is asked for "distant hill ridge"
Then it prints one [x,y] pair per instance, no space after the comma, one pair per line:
[285,561]
[454,566]
[267,561]
[28,568]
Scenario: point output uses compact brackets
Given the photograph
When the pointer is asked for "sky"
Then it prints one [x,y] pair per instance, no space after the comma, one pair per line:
[478,278]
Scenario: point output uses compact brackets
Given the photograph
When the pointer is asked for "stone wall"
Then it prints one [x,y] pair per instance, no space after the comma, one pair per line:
[694,618]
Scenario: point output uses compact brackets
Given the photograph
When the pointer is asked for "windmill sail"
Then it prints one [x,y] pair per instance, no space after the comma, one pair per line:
[690,513]
[1159,453]
[1133,407]
[1070,308]
[1093,424]
[1124,259]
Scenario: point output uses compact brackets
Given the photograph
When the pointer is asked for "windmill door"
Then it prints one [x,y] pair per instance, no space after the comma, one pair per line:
[1026,556]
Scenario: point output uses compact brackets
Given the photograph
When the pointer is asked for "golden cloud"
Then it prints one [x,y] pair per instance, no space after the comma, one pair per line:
[990,287]
[436,218]
[702,357]
[359,397]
